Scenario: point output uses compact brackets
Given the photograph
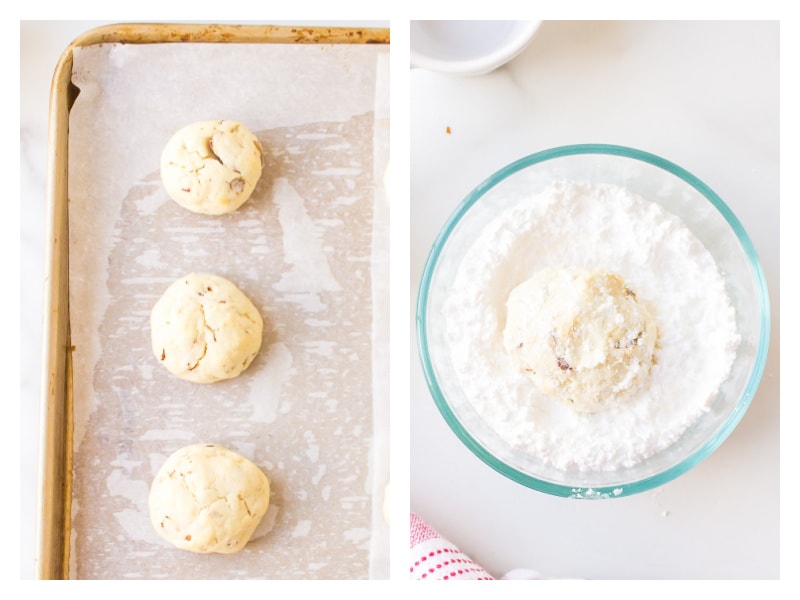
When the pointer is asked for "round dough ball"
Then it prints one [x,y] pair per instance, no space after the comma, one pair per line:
[204,329]
[581,335]
[211,167]
[208,499]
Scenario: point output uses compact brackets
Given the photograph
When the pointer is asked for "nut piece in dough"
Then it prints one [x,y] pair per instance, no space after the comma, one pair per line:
[581,335]
[208,499]
[204,329]
[211,167]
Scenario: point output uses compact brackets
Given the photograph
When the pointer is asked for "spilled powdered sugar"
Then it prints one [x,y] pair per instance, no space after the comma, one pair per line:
[592,226]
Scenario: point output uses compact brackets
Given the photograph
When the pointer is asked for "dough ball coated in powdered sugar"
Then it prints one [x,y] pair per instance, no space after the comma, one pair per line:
[583,336]
[208,499]
[211,167]
[204,329]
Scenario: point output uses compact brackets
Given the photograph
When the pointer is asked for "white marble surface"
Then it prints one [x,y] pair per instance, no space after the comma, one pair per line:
[705,96]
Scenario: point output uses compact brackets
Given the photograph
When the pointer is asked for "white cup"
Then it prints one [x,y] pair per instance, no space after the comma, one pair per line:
[468,47]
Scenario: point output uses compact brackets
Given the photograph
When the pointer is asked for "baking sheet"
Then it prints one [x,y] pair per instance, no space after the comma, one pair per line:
[309,249]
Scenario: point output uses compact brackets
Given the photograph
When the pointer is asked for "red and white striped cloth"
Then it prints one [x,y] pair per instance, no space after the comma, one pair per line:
[434,557]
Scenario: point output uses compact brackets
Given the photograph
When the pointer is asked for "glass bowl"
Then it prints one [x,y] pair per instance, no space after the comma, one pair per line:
[678,192]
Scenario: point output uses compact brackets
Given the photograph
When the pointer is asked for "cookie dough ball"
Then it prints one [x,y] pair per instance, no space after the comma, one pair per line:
[581,335]
[204,329]
[208,499]
[211,167]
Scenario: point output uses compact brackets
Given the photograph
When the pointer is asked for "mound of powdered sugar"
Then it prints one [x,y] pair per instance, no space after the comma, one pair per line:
[592,226]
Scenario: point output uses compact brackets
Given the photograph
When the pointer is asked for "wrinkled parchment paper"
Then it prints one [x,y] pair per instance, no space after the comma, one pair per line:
[309,249]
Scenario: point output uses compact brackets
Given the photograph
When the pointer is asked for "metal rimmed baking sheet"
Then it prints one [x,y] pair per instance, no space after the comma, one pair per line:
[312,412]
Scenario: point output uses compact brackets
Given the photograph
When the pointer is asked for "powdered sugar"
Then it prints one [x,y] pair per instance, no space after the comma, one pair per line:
[592,226]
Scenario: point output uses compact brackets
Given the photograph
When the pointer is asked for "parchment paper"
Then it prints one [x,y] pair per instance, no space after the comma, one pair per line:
[309,249]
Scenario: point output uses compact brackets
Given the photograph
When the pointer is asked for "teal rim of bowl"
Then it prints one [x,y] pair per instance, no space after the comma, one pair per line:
[598,491]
